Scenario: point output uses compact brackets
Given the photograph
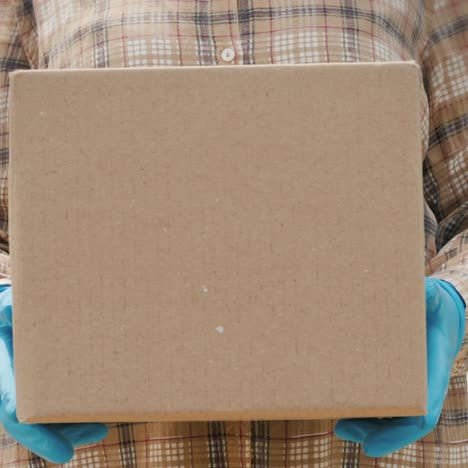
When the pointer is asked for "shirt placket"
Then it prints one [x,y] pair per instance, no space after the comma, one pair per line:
[226,32]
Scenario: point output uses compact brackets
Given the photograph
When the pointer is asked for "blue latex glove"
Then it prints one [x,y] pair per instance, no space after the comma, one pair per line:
[54,442]
[445,319]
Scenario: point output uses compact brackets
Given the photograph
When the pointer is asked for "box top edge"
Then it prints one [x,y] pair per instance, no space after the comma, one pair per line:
[57,71]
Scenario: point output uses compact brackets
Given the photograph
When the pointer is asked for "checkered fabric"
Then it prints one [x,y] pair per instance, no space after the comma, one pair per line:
[150,33]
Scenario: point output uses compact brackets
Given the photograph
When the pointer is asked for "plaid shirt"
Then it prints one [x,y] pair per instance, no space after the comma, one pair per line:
[121,33]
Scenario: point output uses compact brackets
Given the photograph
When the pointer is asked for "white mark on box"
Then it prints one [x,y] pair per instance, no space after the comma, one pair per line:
[204,289]
[220,329]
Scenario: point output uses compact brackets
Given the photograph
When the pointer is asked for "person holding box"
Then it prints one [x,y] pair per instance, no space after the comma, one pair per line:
[125,33]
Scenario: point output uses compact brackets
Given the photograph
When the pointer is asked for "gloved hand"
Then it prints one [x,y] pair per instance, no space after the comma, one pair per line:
[54,442]
[445,319]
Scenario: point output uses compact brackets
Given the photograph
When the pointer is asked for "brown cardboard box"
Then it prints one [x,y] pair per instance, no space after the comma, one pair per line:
[218,243]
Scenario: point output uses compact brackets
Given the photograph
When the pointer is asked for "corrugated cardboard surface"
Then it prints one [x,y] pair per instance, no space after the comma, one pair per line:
[218,243]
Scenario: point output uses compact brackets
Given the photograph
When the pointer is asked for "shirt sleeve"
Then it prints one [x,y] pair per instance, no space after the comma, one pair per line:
[12,57]
[445,71]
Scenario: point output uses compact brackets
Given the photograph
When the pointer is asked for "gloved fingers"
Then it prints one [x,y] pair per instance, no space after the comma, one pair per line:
[7,382]
[83,433]
[41,440]
[356,430]
[394,435]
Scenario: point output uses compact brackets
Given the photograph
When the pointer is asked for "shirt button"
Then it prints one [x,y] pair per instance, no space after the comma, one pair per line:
[228,54]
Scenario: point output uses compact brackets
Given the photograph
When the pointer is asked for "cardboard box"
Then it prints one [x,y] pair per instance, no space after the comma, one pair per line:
[218,243]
